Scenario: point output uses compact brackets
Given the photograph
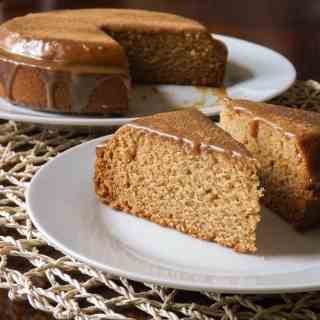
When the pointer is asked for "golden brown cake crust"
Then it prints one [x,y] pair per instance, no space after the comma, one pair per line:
[96,42]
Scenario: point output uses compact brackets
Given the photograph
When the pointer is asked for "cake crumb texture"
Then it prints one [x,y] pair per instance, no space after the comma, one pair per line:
[209,195]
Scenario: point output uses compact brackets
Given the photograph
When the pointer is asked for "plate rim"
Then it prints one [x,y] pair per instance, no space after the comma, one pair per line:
[281,56]
[183,284]
[100,122]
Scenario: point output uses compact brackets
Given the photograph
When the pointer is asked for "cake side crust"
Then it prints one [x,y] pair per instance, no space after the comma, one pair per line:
[61,91]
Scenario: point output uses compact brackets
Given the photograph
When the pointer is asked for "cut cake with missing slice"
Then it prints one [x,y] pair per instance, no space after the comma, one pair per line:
[286,142]
[180,170]
[78,61]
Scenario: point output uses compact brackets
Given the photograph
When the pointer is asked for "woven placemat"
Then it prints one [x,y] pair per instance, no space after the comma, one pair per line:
[68,289]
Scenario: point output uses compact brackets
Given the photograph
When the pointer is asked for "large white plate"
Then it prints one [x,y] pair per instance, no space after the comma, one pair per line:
[62,204]
[253,72]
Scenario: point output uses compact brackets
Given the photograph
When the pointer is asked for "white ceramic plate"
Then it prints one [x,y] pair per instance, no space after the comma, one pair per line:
[253,72]
[62,204]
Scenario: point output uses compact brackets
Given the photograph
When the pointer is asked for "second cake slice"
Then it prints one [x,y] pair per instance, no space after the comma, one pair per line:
[286,142]
[181,171]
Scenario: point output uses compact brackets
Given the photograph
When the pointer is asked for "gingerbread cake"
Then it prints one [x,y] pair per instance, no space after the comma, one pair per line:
[82,61]
[181,171]
[286,142]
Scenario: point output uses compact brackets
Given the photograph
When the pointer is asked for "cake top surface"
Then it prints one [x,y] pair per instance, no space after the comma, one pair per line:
[293,122]
[193,127]
[81,36]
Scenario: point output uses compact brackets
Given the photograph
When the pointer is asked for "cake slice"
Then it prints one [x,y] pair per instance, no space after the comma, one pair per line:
[180,170]
[286,142]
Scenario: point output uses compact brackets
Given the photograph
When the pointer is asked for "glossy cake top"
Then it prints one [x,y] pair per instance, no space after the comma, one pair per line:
[80,37]
[194,128]
[293,122]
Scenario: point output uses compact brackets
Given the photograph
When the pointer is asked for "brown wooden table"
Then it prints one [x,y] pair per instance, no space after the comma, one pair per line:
[291,27]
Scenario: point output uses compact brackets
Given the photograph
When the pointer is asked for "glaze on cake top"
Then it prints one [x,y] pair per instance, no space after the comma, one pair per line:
[192,127]
[80,37]
[301,125]
[293,122]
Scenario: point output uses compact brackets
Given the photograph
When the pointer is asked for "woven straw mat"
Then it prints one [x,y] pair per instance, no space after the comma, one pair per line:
[58,284]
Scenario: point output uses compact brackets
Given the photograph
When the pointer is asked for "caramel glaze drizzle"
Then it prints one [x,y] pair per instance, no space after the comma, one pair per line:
[254,123]
[83,82]
[254,128]
[81,88]
[9,81]
[7,77]
[196,147]
[50,80]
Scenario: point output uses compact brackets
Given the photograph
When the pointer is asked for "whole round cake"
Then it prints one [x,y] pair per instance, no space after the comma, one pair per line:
[83,61]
